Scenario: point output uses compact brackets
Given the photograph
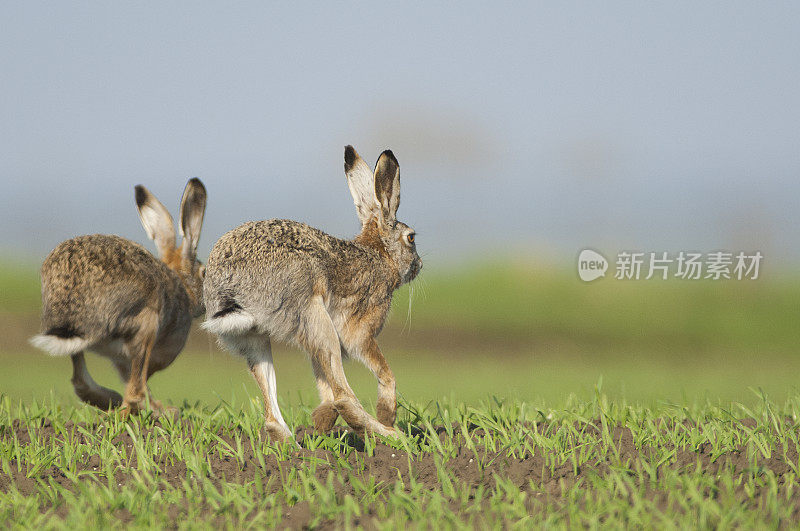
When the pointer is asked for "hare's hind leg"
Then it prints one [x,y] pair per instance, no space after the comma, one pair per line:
[88,390]
[256,349]
[325,414]
[320,339]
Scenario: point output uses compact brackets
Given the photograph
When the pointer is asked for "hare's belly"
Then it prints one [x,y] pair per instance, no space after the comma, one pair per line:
[164,352]
[111,349]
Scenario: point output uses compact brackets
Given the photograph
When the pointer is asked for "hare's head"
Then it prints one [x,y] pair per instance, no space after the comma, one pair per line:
[161,229]
[376,195]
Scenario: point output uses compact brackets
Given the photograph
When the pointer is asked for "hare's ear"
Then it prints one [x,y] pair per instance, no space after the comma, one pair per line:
[156,220]
[193,207]
[361,184]
[387,185]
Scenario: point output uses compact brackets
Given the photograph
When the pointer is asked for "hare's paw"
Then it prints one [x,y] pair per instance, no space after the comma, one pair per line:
[278,433]
[361,422]
[387,412]
[127,410]
[324,417]
[132,406]
[352,413]
[379,429]
[99,397]
[166,411]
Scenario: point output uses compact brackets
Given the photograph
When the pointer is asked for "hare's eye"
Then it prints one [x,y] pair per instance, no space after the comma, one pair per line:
[410,237]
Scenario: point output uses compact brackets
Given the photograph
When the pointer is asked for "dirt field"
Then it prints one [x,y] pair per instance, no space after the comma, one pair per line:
[530,468]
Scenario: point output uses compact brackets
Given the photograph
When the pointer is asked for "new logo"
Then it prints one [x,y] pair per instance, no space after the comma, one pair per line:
[591,265]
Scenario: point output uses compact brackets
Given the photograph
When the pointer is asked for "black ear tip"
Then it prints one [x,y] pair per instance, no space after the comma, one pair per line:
[141,194]
[350,156]
[388,153]
[197,183]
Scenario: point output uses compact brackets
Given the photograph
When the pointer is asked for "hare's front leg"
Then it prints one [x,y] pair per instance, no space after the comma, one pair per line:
[124,366]
[138,350]
[320,339]
[367,351]
[387,390]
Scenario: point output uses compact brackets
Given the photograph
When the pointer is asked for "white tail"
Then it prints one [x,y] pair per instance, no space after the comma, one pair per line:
[59,346]
[232,323]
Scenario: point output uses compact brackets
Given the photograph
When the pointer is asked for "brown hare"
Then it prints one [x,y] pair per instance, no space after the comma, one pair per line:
[111,296]
[287,281]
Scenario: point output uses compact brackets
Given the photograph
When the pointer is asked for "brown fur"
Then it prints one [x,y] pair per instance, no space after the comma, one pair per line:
[324,417]
[110,295]
[174,260]
[283,280]
[372,236]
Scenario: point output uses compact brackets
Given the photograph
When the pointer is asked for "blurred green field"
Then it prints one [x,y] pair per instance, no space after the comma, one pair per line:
[510,330]
[625,404]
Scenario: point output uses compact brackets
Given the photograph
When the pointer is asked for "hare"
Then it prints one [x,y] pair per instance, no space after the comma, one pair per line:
[284,280]
[110,295]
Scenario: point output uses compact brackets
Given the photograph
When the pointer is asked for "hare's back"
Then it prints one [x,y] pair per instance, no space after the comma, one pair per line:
[91,278]
[264,266]
[272,245]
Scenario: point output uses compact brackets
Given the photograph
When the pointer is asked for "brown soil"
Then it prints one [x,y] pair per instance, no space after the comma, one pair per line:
[532,474]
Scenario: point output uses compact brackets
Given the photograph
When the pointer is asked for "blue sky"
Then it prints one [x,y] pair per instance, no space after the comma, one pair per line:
[533,129]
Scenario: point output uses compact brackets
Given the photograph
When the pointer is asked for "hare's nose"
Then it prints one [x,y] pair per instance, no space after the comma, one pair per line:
[416,267]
